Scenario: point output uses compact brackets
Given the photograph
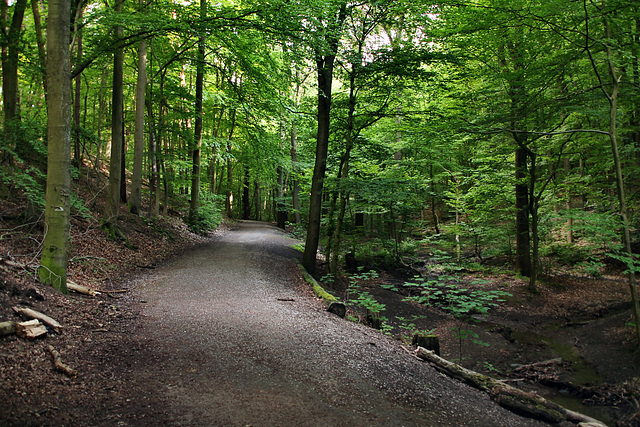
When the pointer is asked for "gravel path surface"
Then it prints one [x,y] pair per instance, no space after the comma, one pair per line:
[231,335]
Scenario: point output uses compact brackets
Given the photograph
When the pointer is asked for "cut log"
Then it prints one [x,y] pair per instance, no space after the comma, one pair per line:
[32,314]
[7,328]
[72,286]
[516,400]
[337,308]
[61,367]
[30,329]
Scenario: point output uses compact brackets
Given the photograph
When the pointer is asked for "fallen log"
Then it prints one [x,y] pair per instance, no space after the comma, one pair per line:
[57,362]
[7,328]
[30,329]
[527,404]
[32,314]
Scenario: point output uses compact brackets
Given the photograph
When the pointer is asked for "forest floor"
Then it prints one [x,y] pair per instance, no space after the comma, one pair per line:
[571,341]
[227,333]
[576,325]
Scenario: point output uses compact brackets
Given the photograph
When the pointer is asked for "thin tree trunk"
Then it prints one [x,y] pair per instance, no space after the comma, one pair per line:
[138,140]
[246,204]
[77,154]
[343,193]
[42,55]
[97,165]
[197,137]
[10,59]
[613,131]
[257,200]
[533,200]
[296,180]
[53,264]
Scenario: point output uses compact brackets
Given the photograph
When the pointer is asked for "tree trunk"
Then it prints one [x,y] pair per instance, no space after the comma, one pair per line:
[324,64]
[343,175]
[246,203]
[53,264]
[569,223]
[295,190]
[42,55]
[257,201]
[523,245]
[281,212]
[613,131]
[77,154]
[115,164]
[135,202]
[10,59]
[197,134]
[325,78]
[97,165]
[533,208]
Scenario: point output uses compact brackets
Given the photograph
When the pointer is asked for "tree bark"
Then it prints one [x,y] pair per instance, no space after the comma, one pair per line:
[324,63]
[77,155]
[53,263]
[197,134]
[295,191]
[115,165]
[246,203]
[613,132]
[10,60]
[42,54]
[523,245]
[135,201]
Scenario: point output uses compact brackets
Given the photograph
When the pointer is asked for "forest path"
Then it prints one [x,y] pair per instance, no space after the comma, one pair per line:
[230,335]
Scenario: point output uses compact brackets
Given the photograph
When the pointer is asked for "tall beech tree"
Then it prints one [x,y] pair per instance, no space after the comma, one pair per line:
[197,131]
[135,201]
[327,33]
[55,252]
[112,206]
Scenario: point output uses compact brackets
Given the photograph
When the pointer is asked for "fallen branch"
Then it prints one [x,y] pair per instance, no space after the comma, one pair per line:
[57,362]
[32,314]
[549,362]
[73,286]
[115,291]
[527,404]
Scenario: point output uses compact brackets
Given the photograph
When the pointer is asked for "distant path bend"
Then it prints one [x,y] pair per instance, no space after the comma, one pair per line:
[230,335]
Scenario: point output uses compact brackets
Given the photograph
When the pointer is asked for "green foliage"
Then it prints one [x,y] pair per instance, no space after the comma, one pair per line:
[592,268]
[444,293]
[209,214]
[368,302]
[29,181]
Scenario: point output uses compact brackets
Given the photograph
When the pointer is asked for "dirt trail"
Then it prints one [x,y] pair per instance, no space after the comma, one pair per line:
[229,334]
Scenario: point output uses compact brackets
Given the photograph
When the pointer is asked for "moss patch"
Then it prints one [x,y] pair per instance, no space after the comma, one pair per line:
[317,289]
